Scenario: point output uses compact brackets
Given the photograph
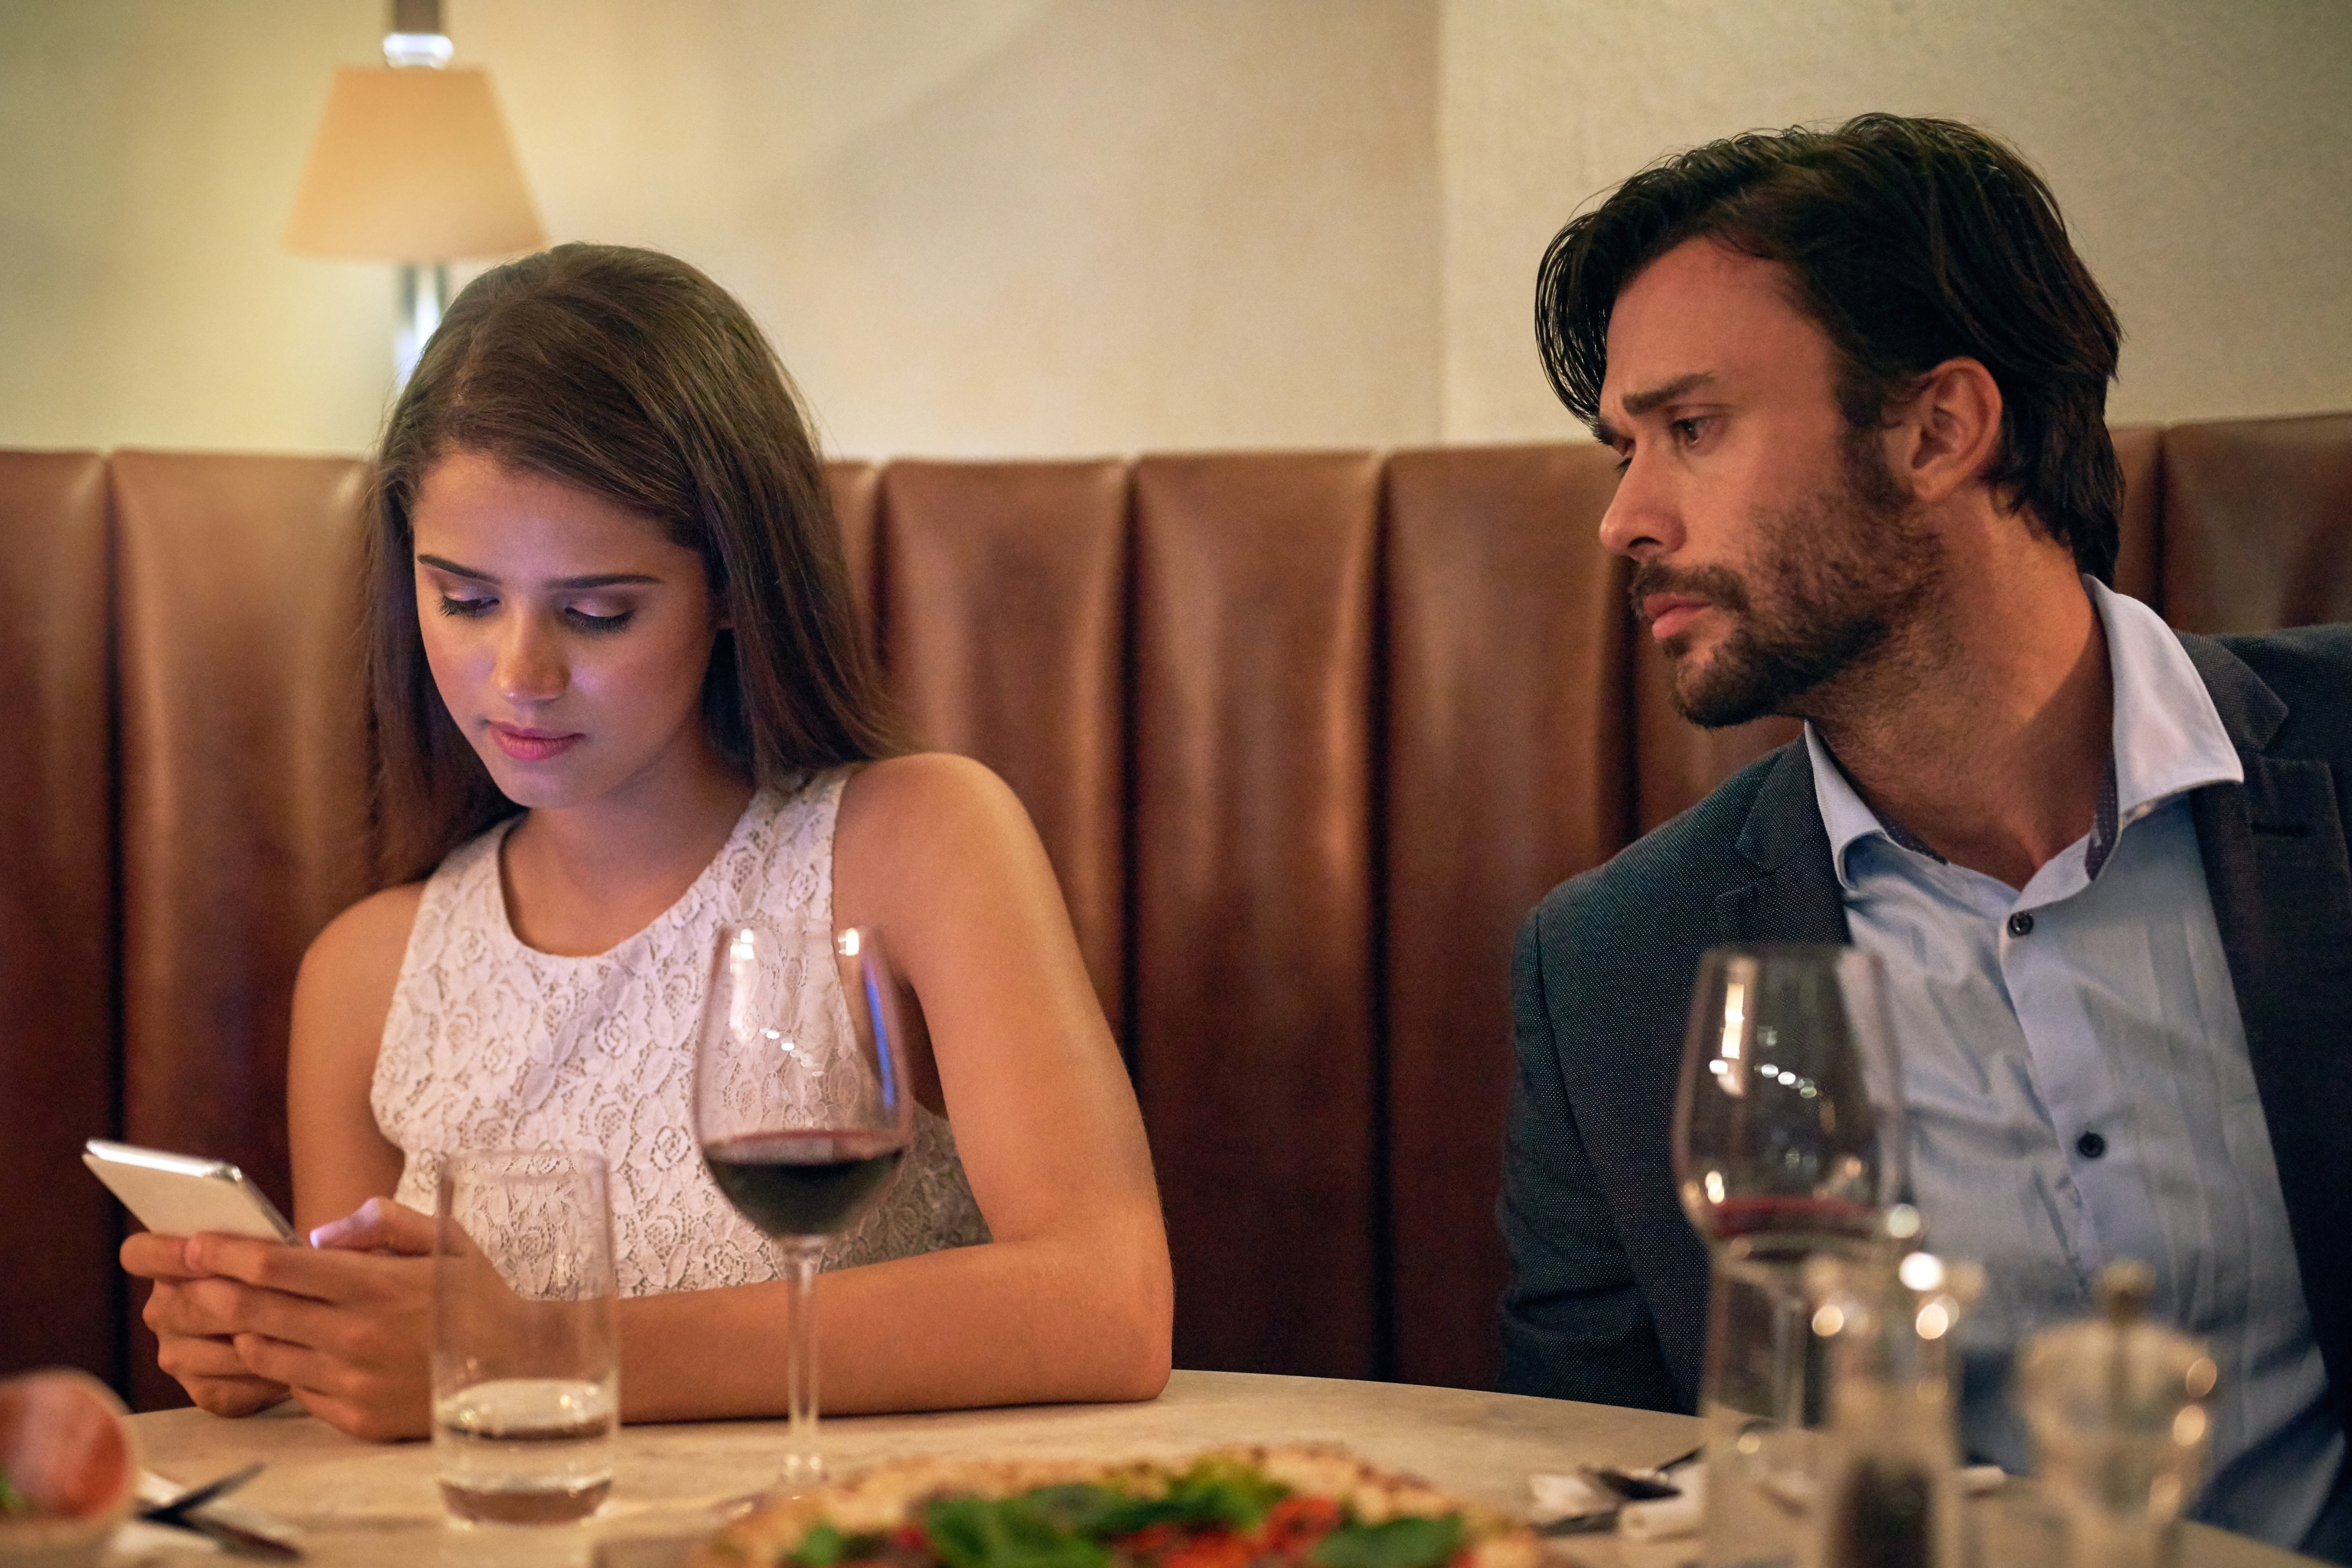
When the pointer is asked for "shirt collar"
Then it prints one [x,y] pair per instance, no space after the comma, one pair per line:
[1848,820]
[2168,737]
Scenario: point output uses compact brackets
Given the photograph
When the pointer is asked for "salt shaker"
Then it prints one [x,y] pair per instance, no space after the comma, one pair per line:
[2116,1408]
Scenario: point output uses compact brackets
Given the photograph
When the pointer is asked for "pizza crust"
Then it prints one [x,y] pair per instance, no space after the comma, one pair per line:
[884,1497]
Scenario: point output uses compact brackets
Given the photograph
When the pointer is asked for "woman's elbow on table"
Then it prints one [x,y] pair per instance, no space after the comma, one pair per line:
[1146,1366]
[1131,1326]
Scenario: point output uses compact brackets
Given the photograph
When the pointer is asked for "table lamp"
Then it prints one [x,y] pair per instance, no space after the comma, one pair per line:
[412,164]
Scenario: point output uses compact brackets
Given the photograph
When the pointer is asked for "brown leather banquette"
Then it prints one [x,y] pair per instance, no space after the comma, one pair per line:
[1305,735]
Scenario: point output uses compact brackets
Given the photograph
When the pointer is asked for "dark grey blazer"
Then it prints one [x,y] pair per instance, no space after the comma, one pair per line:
[1607,1295]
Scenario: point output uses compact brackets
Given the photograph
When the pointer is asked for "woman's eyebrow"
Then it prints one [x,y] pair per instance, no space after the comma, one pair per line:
[443,563]
[562,584]
[600,580]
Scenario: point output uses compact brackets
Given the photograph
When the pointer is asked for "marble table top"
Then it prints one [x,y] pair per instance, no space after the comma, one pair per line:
[358,1504]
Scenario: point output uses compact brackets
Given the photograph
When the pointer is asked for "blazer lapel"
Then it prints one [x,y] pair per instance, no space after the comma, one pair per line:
[2281,882]
[1796,898]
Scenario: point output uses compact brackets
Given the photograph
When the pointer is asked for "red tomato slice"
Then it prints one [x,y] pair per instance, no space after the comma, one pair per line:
[1210,1548]
[1296,1523]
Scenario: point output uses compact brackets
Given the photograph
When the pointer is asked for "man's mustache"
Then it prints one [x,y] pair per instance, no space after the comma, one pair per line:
[1718,585]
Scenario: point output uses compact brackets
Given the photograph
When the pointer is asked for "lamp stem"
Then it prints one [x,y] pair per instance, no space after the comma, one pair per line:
[424,296]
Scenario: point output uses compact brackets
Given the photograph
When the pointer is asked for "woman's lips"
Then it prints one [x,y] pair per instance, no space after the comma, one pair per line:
[533,745]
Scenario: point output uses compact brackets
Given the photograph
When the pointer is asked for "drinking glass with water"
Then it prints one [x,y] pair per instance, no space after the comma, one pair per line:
[525,1357]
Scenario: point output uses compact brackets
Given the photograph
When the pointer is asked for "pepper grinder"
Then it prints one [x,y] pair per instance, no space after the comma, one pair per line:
[2116,1408]
[1890,1496]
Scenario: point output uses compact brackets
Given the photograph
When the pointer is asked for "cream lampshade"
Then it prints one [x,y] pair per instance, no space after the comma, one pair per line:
[412,164]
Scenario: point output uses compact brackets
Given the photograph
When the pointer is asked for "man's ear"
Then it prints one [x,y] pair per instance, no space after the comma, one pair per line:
[1945,434]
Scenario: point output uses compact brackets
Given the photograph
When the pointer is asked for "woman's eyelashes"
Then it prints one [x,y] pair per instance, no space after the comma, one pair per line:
[594,623]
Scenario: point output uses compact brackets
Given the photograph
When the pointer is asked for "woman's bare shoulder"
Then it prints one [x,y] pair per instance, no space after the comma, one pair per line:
[930,815]
[342,998]
[934,836]
[359,952]
[924,786]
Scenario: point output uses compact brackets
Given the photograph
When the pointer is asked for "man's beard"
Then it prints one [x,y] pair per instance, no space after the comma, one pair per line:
[1838,575]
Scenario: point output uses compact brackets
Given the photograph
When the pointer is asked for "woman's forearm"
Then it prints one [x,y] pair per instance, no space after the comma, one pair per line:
[1036,1320]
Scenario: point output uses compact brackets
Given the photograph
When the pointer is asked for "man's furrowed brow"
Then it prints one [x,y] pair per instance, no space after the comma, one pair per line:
[1640,403]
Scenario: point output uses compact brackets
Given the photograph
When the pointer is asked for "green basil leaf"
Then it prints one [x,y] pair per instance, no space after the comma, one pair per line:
[1399,1543]
[974,1532]
[822,1547]
[1081,1508]
[1220,1492]
[1223,1491]
[958,1529]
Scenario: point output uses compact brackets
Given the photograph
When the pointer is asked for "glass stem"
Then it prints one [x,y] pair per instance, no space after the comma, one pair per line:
[804,1466]
[1791,1337]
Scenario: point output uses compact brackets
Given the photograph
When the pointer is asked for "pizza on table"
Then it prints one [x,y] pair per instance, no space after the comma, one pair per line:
[1233,1508]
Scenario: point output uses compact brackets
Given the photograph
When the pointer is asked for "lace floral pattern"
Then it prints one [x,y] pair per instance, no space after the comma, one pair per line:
[493,1045]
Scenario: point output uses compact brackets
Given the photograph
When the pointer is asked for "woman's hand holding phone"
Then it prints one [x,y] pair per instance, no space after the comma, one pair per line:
[194,1316]
[195,1319]
[343,1325]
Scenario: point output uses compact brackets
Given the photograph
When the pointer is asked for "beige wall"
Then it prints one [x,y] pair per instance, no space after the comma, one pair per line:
[1051,226]
[971,225]
[2201,151]
[1026,226]
[148,155]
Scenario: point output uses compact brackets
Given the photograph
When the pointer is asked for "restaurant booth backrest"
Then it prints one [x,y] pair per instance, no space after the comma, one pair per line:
[243,815]
[1304,735]
[60,1068]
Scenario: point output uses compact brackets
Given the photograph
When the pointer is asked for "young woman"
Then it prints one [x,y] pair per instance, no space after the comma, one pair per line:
[618,693]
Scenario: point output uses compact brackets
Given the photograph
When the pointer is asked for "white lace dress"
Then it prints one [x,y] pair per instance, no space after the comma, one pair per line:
[493,1045]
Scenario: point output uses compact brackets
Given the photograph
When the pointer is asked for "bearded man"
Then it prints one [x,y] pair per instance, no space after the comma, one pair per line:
[1856,382]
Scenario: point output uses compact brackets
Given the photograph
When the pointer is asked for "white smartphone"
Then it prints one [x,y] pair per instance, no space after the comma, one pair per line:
[178,1194]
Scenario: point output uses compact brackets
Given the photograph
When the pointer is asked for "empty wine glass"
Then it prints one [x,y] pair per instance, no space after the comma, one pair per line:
[802,1111]
[1787,1145]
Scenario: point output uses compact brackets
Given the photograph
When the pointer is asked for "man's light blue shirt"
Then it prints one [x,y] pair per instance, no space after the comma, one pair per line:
[2079,1090]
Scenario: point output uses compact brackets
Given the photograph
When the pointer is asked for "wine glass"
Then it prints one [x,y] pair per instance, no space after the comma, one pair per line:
[803,1110]
[1789,1144]
[1788,1128]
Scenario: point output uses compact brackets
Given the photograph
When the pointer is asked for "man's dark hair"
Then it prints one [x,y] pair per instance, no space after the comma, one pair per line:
[1911,242]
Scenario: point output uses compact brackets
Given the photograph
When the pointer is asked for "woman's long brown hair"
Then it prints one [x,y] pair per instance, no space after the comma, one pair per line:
[630,374]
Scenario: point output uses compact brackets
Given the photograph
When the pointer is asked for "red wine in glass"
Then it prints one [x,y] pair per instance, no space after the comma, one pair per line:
[1773,1227]
[806,1181]
[803,1111]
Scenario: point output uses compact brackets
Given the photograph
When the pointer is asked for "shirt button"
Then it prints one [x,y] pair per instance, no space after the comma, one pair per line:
[2021,924]
[2090,1146]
